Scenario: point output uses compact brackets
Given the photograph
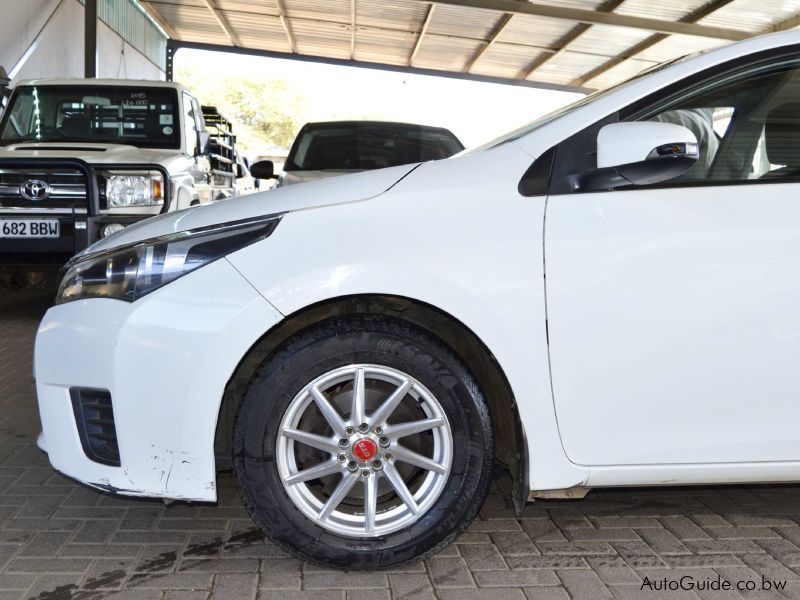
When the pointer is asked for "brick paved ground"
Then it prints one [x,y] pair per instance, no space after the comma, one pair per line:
[60,541]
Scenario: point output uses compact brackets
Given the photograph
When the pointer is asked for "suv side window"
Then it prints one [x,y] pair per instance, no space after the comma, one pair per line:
[190,124]
[21,118]
[747,124]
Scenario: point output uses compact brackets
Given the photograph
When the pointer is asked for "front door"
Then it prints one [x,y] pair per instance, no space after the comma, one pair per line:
[674,311]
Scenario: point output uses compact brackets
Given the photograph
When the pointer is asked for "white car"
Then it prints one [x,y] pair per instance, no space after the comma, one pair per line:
[607,297]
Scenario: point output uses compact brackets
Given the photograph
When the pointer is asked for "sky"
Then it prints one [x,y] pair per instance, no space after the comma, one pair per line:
[475,111]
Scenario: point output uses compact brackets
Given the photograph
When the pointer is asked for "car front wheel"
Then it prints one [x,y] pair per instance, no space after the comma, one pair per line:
[363,443]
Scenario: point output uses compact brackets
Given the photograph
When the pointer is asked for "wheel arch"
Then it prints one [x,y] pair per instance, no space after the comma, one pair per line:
[512,451]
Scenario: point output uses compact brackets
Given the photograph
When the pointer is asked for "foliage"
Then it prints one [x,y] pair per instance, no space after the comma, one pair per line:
[265,113]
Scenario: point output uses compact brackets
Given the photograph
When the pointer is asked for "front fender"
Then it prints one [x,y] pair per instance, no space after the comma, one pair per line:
[492,283]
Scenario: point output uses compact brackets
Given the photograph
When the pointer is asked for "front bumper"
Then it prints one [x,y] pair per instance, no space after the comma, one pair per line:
[165,359]
[78,202]
[78,232]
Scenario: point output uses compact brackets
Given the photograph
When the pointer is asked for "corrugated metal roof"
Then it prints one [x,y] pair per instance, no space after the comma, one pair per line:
[568,43]
[127,18]
[749,16]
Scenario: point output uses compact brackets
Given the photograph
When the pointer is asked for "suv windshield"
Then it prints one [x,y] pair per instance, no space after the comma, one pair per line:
[142,116]
[368,145]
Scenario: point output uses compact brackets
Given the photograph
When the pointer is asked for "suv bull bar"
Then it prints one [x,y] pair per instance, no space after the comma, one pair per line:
[81,216]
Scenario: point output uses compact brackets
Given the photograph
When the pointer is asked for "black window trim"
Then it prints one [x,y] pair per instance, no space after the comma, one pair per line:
[663,96]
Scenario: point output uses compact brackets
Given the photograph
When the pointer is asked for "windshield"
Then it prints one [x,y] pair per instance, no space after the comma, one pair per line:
[141,116]
[364,146]
[552,116]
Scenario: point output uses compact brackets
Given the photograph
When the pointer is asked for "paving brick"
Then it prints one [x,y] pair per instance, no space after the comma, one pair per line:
[538,577]
[490,525]
[546,593]
[583,585]
[698,561]
[482,557]
[471,537]
[134,595]
[222,565]
[280,574]
[684,528]
[742,533]
[61,541]
[172,581]
[46,544]
[547,562]
[185,595]
[513,543]
[638,555]
[734,546]
[576,548]
[54,586]
[612,570]
[343,580]
[482,594]
[601,535]
[662,541]
[234,586]
[100,551]
[19,581]
[321,594]
[415,586]
[370,595]
[616,522]
[449,572]
[107,574]
[53,565]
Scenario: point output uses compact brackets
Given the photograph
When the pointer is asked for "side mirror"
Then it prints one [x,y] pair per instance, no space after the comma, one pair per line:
[203,138]
[263,169]
[640,153]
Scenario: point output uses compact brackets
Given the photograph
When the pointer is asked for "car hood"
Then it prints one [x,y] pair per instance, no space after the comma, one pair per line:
[313,194]
[91,153]
[294,177]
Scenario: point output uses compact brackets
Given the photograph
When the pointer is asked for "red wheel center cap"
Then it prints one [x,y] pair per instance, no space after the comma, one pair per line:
[365,449]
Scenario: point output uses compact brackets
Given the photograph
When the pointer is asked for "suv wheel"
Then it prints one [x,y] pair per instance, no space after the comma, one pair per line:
[363,443]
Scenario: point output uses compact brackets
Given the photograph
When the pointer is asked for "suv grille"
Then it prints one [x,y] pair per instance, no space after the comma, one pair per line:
[94,416]
[67,188]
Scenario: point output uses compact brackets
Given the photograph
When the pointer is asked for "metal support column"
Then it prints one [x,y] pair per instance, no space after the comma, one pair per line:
[90,39]
[172,47]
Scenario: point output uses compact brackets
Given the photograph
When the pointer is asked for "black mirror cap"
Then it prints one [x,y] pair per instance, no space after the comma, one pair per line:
[646,172]
[263,169]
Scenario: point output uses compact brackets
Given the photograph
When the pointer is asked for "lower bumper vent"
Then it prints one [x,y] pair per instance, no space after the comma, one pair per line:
[94,417]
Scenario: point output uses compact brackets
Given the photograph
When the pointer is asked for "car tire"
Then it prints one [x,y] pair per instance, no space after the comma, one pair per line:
[373,521]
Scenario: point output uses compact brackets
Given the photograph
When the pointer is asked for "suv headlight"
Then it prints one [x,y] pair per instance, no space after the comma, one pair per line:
[132,271]
[134,190]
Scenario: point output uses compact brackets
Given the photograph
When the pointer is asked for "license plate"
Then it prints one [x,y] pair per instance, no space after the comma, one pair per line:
[29,228]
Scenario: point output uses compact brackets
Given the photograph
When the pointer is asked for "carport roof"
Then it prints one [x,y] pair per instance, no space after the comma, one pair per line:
[566,44]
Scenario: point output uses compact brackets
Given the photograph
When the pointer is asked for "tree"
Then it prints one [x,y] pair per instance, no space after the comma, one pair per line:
[264,113]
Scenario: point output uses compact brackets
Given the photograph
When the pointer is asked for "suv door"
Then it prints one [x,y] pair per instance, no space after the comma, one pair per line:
[674,310]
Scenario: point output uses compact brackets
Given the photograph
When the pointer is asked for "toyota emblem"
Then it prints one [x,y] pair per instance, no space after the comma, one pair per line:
[35,189]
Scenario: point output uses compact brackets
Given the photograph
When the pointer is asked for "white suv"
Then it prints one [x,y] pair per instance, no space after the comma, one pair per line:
[83,158]
[607,297]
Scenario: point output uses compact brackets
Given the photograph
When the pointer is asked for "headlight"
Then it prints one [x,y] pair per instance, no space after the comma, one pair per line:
[134,190]
[129,272]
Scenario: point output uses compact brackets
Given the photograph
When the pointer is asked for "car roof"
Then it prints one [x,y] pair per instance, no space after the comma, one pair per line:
[398,124]
[105,83]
